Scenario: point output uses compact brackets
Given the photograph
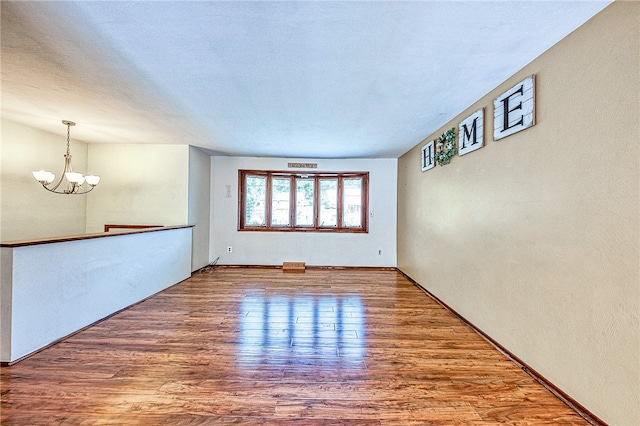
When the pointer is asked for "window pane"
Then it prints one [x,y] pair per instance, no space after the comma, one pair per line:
[280,194]
[304,202]
[255,202]
[352,203]
[328,202]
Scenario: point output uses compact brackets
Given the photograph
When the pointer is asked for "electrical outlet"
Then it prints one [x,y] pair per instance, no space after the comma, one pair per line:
[229,249]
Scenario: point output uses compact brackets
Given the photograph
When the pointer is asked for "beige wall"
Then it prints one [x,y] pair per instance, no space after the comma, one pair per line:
[140,184]
[535,238]
[27,211]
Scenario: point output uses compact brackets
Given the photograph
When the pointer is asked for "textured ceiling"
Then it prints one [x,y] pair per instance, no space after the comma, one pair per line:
[290,79]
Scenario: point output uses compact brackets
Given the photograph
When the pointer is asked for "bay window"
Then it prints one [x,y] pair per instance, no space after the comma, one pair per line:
[285,201]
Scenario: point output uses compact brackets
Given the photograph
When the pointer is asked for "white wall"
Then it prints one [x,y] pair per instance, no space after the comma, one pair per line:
[140,185]
[58,288]
[6,287]
[199,205]
[536,238]
[314,248]
[27,211]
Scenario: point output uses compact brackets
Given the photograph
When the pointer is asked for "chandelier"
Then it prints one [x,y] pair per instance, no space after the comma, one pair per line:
[76,183]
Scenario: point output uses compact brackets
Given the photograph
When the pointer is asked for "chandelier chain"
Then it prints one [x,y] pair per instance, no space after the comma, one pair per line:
[68,137]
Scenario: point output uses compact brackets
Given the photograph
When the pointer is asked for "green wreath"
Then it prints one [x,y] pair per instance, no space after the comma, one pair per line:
[446,144]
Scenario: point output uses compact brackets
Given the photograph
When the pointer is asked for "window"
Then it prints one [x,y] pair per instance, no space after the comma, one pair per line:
[284,201]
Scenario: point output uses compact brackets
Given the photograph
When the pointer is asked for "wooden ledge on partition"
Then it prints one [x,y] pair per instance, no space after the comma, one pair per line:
[50,240]
[109,227]
[293,267]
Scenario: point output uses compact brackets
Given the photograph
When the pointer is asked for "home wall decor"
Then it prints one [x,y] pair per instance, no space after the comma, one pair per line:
[446,145]
[471,132]
[514,110]
[428,156]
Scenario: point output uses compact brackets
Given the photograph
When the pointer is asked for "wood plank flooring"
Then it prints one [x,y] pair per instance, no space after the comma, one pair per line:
[259,346]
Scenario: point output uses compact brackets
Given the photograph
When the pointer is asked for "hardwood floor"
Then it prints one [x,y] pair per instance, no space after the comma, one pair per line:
[259,346]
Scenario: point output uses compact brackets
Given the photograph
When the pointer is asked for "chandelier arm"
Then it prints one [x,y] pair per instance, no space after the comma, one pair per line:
[74,191]
[53,189]
[67,168]
[83,192]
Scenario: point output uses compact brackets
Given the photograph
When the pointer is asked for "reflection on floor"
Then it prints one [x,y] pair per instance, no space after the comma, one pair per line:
[281,328]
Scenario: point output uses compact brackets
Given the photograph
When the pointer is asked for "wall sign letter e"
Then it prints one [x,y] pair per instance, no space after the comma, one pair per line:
[514,110]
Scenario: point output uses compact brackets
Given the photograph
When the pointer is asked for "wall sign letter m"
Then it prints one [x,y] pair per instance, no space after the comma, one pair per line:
[471,131]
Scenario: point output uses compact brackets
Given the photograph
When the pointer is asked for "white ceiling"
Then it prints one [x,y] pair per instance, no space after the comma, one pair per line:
[289,79]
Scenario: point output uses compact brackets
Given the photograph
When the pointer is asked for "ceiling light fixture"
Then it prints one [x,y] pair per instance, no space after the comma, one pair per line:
[75,181]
